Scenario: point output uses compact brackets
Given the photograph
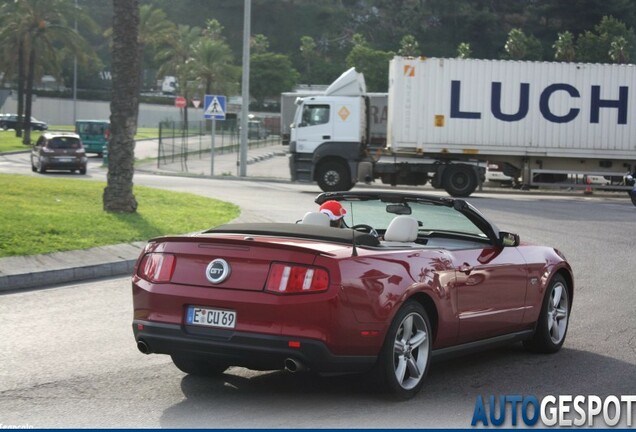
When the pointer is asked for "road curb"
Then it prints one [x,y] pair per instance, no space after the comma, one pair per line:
[53,277]
[22,272]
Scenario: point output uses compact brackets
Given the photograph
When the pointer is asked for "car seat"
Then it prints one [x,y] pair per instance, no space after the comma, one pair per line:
[402,229]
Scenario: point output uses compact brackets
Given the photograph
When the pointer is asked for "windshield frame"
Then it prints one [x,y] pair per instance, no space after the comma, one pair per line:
[464,208]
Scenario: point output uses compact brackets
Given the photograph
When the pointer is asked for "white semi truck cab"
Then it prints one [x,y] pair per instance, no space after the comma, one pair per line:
[332,143]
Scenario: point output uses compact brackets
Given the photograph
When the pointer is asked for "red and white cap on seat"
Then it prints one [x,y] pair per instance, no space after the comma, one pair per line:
[333,209]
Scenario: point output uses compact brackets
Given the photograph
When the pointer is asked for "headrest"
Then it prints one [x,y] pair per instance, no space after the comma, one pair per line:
[315,218]
[402,229]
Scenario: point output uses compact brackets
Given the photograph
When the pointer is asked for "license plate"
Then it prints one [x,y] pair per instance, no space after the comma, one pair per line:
[65,159]
[211,317]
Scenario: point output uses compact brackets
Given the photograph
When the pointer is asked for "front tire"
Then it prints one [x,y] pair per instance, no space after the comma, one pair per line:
[334,176]
[406,353]
[199,367]
[553,319]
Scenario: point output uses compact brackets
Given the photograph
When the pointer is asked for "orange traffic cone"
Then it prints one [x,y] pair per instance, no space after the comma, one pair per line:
[588,187]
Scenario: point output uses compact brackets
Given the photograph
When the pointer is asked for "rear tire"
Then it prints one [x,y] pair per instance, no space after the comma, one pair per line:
[334,176]
[459,180]
[41,169]
[199,367]
[82,171]
[553,319]
[405,356]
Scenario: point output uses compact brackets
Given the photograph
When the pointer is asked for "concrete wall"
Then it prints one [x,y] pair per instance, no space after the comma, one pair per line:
[60,111]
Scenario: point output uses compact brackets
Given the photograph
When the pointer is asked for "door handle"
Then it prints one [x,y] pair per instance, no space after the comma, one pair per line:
[326,137]
[466,268]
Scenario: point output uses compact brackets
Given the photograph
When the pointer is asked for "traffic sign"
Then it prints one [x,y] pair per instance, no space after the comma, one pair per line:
[180,102]
[214,107]
[196,102]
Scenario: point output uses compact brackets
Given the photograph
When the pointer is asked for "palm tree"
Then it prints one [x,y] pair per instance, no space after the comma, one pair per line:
[124,107]
[39,25]
[155,30]
[212,63]
[12,29]
[176,59]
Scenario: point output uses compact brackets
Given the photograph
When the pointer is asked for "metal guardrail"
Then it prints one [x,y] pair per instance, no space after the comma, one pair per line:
[180,143]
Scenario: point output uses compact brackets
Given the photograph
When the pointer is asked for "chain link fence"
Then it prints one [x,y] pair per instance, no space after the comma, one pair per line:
[181,143]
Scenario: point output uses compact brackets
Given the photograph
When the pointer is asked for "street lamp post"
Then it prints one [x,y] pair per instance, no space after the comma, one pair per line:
[245,87]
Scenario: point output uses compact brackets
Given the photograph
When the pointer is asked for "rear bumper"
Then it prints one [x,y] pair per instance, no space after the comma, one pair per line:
[53,163]
[251,350]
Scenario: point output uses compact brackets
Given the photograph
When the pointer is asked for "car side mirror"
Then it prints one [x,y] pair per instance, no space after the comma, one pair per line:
[507,239]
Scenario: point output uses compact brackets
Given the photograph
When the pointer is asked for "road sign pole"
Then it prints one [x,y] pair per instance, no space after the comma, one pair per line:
[212,147]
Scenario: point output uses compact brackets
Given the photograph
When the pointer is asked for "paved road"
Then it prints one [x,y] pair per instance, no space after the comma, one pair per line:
[68,357]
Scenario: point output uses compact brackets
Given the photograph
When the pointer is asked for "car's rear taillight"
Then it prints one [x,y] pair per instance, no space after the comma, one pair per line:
[157,267]
[293,279]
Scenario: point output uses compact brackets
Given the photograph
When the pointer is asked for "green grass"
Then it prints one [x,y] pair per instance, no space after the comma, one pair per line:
[9,142]
[42,215]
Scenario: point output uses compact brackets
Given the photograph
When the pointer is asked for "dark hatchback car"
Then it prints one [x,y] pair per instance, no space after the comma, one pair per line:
[9,121]
[58,151]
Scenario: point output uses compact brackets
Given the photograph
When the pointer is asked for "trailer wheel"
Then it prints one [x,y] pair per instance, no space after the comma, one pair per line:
[334,176]
[459,180]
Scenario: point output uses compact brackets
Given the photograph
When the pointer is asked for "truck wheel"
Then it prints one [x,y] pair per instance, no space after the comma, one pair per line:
[459,180]
[334,176]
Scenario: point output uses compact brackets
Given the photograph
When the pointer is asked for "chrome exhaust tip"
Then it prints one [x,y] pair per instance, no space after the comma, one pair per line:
[293,365]
[143,347]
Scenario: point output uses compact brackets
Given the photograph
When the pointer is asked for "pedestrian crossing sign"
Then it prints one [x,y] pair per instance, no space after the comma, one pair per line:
[214,107]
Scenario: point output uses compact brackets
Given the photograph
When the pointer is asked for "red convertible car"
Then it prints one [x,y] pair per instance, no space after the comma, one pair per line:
[411,277]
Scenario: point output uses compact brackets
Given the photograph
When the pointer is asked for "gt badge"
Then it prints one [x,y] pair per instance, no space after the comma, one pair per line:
[218,270]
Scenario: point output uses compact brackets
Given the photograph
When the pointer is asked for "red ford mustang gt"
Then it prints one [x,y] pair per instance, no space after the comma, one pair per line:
[409,278]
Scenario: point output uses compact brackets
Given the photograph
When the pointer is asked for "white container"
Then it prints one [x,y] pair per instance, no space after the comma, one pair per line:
[515,108]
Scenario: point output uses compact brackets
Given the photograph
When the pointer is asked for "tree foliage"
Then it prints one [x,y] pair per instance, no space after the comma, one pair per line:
[464,51]
[564,47]
[332,35]
[374,64]
[595,46]
[522,47]
[271,74]
[409,47]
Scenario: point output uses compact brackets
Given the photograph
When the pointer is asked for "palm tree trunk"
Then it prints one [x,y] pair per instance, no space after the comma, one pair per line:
[124,107]
[26,120]
[20,113]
